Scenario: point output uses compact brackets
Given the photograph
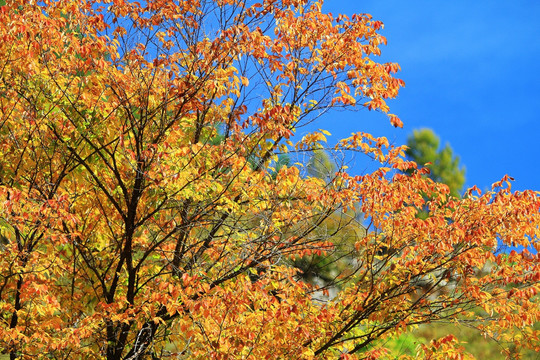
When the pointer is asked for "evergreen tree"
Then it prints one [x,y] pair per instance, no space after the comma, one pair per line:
[443,164]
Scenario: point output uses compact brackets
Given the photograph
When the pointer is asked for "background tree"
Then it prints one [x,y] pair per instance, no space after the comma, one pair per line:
[343,228]
[138,226]
[321,165]
[444,166]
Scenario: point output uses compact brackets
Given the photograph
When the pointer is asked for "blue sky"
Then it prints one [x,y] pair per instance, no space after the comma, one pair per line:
[472,73]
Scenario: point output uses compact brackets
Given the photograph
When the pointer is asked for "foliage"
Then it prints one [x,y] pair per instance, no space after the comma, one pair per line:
[472,340]
[444,166]
[136,223]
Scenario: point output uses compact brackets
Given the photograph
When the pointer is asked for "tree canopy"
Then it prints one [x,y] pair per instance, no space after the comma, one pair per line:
[143,215]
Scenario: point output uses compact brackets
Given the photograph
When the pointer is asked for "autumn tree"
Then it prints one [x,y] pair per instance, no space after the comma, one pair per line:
[131,231]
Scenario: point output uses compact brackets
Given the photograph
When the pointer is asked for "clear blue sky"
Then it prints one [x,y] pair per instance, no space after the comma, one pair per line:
[472,73]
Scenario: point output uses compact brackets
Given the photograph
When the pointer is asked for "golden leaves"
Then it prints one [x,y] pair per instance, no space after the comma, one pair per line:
[142,189]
